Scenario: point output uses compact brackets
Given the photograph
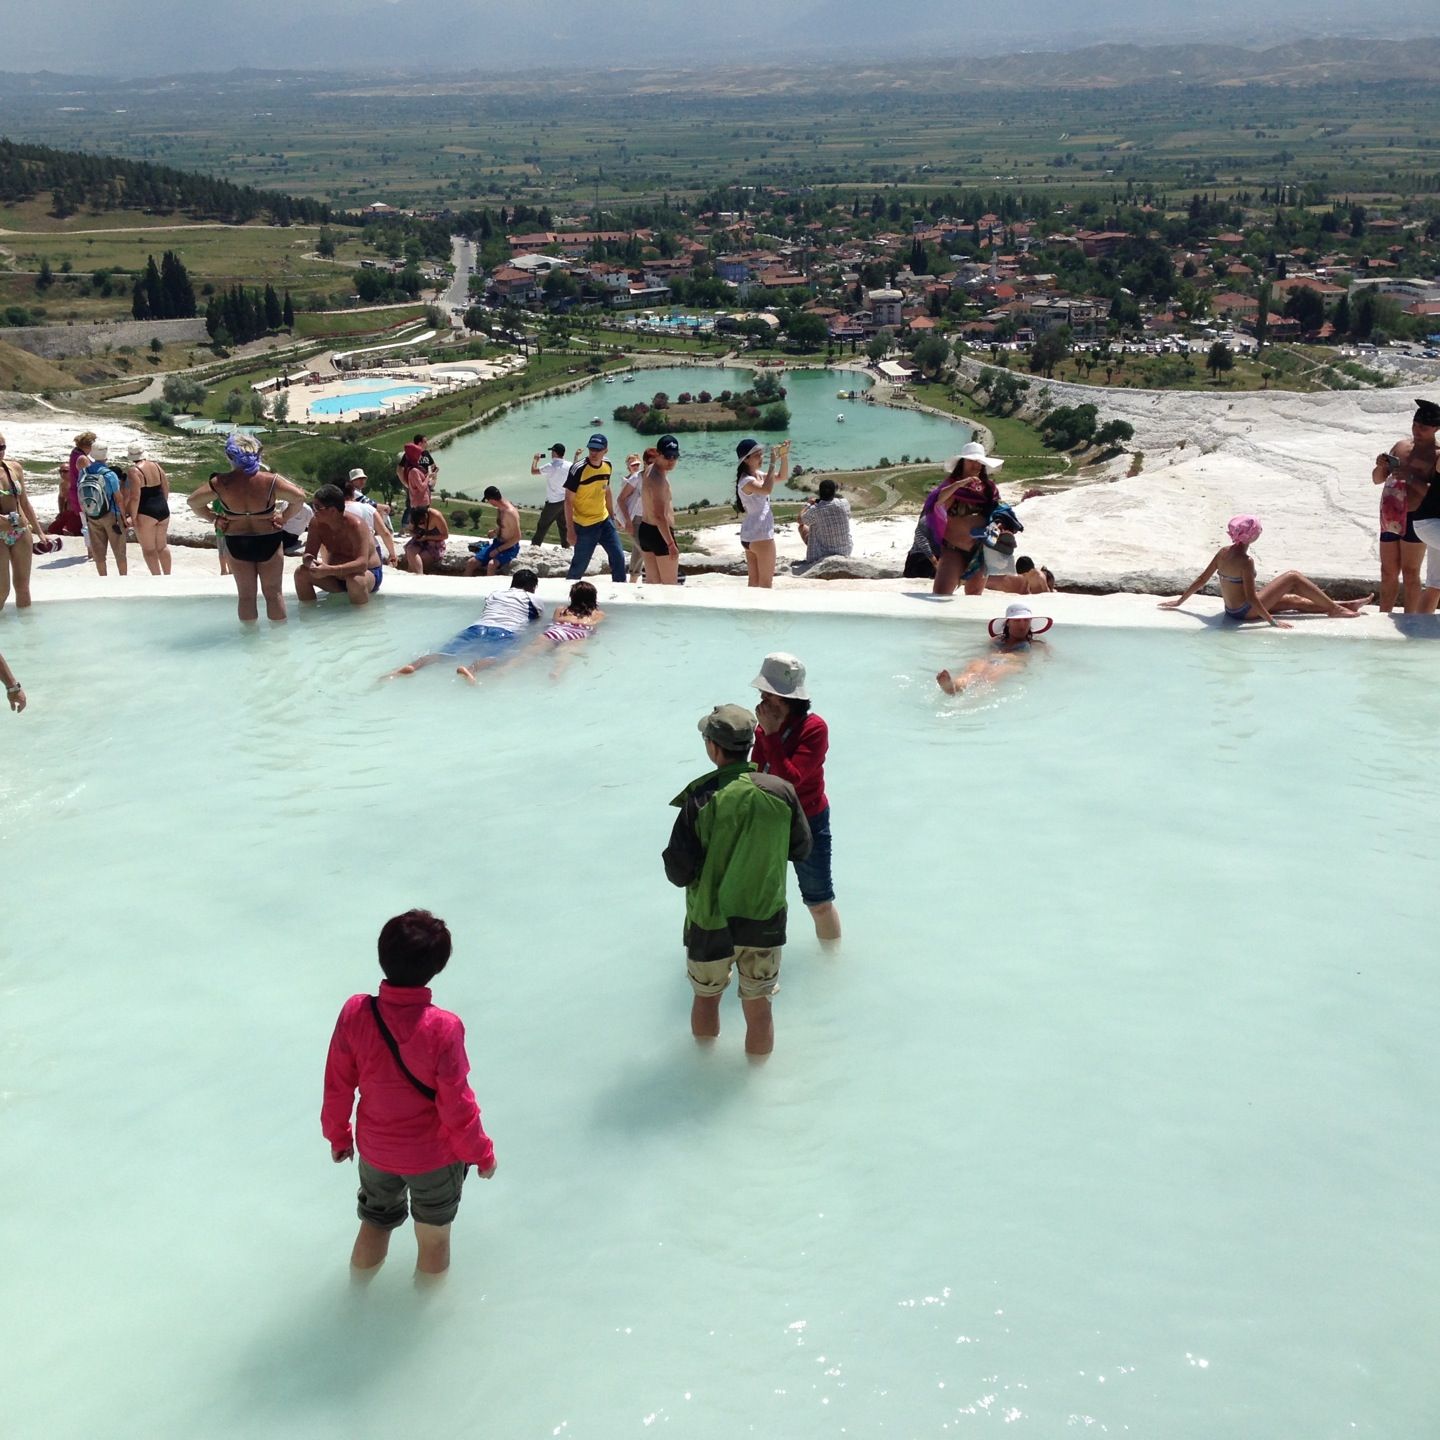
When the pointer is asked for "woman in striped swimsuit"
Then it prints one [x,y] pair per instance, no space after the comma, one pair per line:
[574,621]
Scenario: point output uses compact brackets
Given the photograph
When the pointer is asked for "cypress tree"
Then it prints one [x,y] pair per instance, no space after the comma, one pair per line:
[288,313]
[154,291]
[273,313]
[179,293]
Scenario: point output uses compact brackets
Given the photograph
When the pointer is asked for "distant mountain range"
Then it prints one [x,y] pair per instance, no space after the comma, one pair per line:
[129,37]
[1108,66]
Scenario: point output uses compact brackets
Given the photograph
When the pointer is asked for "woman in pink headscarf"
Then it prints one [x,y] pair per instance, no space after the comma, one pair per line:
[1234,567]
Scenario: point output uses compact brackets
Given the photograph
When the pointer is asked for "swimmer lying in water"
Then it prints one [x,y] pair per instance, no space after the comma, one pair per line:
[491,640]
[1012,640]
[575,620]
[1291,592]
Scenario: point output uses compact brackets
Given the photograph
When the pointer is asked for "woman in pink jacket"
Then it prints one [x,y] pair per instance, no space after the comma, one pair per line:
[418,1128]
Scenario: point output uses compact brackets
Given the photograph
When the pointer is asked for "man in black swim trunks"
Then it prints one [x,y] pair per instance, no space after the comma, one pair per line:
[655,534]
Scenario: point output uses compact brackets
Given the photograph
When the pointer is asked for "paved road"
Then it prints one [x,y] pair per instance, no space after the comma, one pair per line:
[463,257]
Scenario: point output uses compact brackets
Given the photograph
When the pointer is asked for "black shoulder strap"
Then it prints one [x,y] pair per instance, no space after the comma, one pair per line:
[426,1090]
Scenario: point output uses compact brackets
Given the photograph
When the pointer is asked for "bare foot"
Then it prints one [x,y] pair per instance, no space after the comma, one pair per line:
[1356,606]
[946,681]
[403,670]
[468,673]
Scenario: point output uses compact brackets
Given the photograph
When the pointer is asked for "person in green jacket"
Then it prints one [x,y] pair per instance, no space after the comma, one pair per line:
[730,847]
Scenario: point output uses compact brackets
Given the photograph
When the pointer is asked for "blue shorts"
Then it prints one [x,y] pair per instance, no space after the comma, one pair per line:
[502,558]
[479,641]
[813,873]
[378,572]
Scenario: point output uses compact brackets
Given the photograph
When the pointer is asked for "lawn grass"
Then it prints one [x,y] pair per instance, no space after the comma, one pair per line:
[34,215]
[335,324]
[244,254]
[1016,442]
[638,341]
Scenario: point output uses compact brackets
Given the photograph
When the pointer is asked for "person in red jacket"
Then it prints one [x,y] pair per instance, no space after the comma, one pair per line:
[418,1129]
[791,742]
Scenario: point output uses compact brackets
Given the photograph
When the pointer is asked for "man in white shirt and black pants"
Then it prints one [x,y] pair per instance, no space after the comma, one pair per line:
[552,512]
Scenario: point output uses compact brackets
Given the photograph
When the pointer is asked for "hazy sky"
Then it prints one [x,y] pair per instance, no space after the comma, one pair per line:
[149,37]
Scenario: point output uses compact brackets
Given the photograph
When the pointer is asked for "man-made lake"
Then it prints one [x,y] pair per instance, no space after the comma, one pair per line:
[499,454]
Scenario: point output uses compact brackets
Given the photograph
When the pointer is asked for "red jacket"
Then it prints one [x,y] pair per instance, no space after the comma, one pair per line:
[399,1130]
[797,754]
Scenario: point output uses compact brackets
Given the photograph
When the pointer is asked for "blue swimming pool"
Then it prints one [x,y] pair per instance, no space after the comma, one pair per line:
[362,399]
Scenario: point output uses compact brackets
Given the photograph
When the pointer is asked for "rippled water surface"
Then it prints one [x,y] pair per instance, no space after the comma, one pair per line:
[1115,1114]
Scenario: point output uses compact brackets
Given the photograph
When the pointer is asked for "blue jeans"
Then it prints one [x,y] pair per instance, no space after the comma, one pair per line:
[587,537]
[813,873]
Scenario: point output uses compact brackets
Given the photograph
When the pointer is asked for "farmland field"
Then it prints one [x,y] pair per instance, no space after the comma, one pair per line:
[468,140]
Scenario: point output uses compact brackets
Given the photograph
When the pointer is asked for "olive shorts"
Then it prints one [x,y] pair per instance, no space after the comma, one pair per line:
[434,1196]
[759,972]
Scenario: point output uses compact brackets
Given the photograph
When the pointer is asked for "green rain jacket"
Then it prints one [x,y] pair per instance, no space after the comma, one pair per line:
[735,831]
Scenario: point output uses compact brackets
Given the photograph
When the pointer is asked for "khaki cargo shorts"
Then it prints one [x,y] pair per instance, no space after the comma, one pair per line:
[434,1195]
[759,972]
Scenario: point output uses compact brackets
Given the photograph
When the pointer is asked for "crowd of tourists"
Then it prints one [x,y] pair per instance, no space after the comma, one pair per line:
[759,810]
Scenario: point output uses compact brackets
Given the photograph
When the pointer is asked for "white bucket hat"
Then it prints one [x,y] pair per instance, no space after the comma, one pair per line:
[100,451]
[973,451]
[136,453]
[1039,624]
[782,675]
[358,474]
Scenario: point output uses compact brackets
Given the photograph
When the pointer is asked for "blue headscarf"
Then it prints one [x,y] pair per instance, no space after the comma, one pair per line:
[243,453]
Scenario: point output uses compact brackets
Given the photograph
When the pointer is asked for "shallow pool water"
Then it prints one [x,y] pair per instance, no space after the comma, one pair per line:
[500,453]
[1115,1113]
[356,400]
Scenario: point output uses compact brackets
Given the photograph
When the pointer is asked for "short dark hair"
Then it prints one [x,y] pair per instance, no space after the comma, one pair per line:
[492,492]
[557,450]
[328,497]
[524,579]
[414,948]
[1024,565]
[733,757]
[419,440]
[827,490]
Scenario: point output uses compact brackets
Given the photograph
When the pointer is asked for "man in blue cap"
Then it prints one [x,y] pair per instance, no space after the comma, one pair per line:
[590,510]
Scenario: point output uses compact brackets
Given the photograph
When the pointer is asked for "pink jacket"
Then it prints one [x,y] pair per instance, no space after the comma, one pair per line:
[399,1130]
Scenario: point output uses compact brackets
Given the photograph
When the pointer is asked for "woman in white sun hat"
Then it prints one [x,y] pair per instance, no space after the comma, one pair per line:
[958,511]
[791,742]
[1011,640]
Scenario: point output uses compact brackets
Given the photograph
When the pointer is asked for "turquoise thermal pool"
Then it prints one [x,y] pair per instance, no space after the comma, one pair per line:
[358,400]
[1114,1114]
[500,453]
